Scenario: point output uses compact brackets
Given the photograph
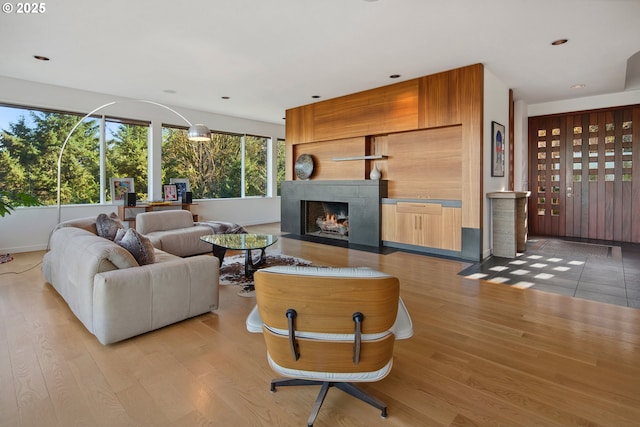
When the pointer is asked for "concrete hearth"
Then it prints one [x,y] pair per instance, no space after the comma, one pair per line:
[363,197]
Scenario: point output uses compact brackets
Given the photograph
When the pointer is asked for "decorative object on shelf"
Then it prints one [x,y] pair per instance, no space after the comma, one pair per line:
[170,192]
[182,185]
[498,142]
[375,173]
[119,189]
[304,166]
[195,133]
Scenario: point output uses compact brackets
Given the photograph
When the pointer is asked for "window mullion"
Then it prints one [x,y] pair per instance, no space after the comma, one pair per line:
[103,160]
[242,166]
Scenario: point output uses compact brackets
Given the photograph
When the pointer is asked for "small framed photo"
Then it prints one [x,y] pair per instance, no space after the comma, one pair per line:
[498,143]
[170,192]
[182,186]
[120,187]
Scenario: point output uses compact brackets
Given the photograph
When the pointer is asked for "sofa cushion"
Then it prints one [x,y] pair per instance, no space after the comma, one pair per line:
[162,256]
[148,222]
[88,223]
[182,241]
[107,226]
[139,246]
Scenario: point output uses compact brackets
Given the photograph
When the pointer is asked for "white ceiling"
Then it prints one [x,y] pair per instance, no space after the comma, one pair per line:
[271,55]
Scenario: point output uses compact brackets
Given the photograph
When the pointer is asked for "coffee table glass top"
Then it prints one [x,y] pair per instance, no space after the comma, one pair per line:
[241,241]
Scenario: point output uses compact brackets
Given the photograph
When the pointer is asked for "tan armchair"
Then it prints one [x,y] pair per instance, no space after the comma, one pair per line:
[329,326]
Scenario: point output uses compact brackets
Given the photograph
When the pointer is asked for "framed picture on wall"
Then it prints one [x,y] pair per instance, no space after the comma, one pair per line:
[170,192]
[120,187]
[498,143]
[182,186]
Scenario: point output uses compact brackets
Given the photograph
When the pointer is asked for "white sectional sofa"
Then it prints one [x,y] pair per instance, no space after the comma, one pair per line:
[115,297]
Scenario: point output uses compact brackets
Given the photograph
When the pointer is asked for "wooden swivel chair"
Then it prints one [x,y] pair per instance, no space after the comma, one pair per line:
[329,326]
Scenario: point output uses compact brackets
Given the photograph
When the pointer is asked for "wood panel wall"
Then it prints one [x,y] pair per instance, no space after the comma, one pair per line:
[448,99]
[433,175]
[324,152]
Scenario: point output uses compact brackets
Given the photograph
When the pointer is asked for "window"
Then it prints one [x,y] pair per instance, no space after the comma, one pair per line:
[230,165]
[126,154]
[255,166]
[280,156]
[30,143]
[227,165]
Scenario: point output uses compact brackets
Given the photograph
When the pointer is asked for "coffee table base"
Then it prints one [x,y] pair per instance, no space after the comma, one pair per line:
[249,265]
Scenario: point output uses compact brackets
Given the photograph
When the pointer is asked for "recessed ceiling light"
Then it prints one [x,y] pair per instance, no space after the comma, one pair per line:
[169,91]
[559,42]
[41,58]
[315,96]
[225,97]
[578,86]
[394,76]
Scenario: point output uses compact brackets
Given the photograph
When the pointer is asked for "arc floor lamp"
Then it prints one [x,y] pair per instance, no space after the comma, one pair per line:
[196,132]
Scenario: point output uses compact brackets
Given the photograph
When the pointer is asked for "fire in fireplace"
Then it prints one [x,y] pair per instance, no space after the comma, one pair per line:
[327,219]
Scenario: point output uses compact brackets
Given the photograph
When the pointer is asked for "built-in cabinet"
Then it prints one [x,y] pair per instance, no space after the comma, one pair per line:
[419,223]
[430,225]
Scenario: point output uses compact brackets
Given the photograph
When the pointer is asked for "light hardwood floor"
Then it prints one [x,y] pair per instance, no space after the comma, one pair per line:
[482,354]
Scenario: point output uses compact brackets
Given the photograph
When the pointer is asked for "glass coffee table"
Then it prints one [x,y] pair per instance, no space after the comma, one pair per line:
[241,242]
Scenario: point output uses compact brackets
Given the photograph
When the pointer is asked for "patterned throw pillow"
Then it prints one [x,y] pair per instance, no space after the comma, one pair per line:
[139,246]
[107,226]
[119,235]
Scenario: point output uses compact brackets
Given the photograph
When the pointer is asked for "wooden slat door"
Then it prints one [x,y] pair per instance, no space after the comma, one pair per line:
[582,176]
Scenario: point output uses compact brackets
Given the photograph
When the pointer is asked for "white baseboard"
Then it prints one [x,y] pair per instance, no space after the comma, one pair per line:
[18,249]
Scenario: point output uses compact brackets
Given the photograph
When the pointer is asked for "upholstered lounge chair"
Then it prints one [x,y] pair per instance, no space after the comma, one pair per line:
[329,327]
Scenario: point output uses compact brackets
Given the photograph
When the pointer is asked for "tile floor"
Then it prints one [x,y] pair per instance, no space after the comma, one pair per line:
[600,271]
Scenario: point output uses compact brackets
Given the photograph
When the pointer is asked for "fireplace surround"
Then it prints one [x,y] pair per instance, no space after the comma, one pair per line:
[361,196]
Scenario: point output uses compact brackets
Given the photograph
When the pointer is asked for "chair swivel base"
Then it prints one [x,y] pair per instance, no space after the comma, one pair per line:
[348,388]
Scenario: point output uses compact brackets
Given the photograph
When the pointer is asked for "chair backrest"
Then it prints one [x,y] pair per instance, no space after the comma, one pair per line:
[149,222]
[329,309]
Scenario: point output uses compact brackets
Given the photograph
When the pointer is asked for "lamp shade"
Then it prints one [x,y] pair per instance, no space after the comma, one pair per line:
[199,133]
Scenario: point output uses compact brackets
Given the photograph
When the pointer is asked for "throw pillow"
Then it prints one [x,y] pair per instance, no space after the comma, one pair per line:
[139,246]
[107,226]
[119,235]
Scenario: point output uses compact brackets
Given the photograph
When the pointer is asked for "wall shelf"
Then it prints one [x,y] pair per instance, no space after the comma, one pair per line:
[372,157]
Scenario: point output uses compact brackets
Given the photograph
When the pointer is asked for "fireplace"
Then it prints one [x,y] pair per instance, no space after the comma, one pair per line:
[355,206]
[327,219]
